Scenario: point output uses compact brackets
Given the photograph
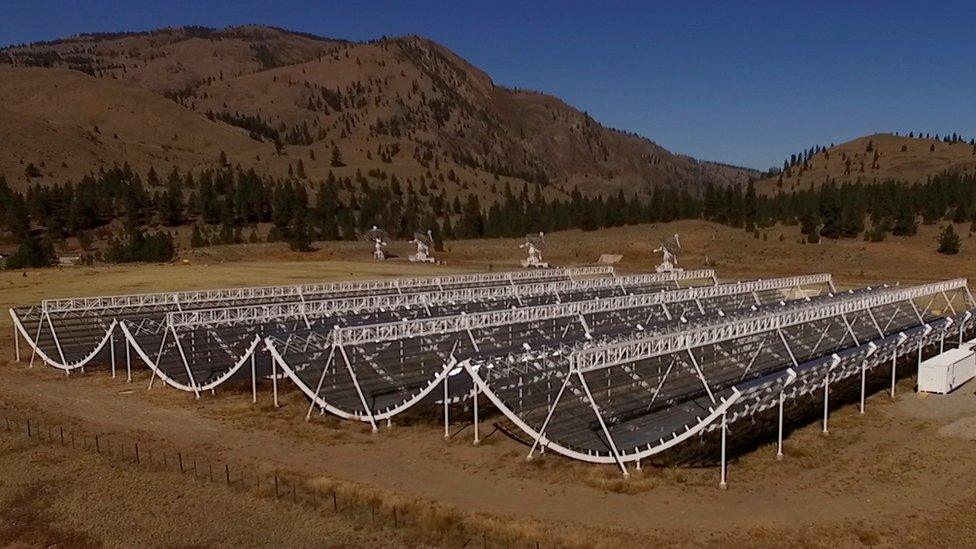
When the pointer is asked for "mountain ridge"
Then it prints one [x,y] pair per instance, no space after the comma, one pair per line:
[406,105]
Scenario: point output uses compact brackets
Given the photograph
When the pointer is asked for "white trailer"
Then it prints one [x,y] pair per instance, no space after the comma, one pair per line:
[945,372]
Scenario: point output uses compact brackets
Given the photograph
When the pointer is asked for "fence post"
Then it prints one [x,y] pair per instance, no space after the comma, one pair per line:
[61,430]
[227,473]
[98,449]
[179,456]
[28,428]
[276,485]
[137,453]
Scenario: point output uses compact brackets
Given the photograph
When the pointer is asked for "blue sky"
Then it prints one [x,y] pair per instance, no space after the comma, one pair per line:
[746,83]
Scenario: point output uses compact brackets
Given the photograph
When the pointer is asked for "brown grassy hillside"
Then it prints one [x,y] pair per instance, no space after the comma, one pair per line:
[406,105]
[875,158]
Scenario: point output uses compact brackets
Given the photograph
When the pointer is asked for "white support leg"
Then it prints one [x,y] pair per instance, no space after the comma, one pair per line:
[274,381]
[826,410]
[16,344]
[919,364]
[318,388]
[474,396]
[112,351]
[779,432]
[447,408]
[254,379]
[864,374]
[186,363]
[37,343]
[894,371]
[725,429]
[545,423]
[128,362]
[603,425]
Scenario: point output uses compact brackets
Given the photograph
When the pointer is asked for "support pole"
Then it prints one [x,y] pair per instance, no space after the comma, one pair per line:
[779,433]
[186,363]
[864,374]
[16,344]
[552,408]
[254,378]
[274,381]
[112,351]
[725,429]
[447,409]
[894,370]
[318,388]
[919,365]
[37,342]
[474,392]
[603,425]
[826,400]
[128,361]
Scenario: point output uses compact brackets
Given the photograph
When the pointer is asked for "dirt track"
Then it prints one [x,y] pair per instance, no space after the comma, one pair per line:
[900,474]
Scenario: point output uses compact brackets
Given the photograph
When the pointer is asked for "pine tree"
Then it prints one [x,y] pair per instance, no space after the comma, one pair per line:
[196,237]
[809,225]
[949,241]
[32,252]
[472,223]
[299,239]
[336,161]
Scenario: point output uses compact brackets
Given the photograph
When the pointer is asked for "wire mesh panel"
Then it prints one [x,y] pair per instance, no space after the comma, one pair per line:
[70,333]
[624,399]
[398,363]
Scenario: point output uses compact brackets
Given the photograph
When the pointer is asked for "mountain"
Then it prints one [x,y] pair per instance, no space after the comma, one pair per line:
[287,103]
[872,159]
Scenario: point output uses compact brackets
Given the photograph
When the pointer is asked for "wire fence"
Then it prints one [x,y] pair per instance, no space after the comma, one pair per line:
[288,489]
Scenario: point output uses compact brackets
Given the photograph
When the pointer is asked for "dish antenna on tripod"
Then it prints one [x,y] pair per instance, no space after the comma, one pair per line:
[379,239]
[535,243]
[425,243]
[669,250]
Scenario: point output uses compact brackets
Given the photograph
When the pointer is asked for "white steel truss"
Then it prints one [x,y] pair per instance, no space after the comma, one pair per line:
[475,321]
[328,307]
[176,299]
[630,351]
[738,399]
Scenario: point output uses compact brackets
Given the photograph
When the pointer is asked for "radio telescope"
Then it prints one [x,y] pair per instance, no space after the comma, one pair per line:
[424,242]
[535,243]
[379,239]
[669,251]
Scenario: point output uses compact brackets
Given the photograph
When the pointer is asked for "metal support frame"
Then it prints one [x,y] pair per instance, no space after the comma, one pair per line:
[779,430]
[826,402]
[173,299]
[643,347]
[474,397]
[723,484]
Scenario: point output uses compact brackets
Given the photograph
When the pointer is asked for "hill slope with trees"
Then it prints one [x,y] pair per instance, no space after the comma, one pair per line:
[405,105]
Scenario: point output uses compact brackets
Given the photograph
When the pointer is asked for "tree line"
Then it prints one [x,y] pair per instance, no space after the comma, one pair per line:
[132,212]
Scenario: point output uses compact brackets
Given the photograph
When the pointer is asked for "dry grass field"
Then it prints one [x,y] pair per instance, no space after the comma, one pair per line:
[899,475]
